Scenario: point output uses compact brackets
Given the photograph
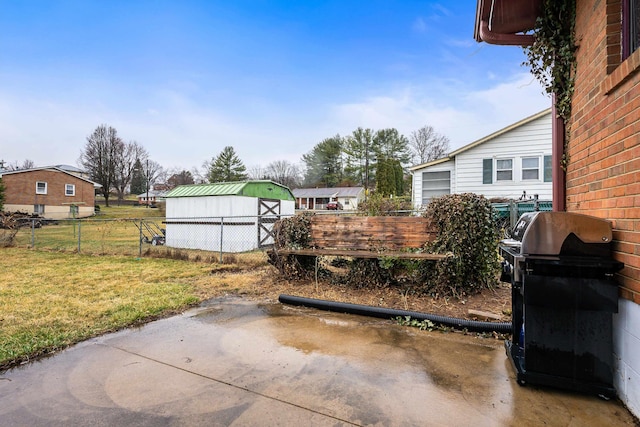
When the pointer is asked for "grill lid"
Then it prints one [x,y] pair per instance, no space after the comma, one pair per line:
[545,233]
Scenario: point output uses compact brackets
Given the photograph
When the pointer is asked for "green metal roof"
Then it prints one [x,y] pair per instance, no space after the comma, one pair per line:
[261,189]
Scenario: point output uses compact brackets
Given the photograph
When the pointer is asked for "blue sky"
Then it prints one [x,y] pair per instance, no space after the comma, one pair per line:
[270,78]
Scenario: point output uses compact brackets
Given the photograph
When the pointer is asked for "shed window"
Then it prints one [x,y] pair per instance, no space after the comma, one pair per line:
[41,187]
[504,170]
[435,184]
[530,168]
[69,190]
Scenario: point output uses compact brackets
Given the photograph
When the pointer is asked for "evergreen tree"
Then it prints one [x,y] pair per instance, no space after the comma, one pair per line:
[389,178]
[324,163]
[360,151]
[138,181]
[227,167]
[390,144]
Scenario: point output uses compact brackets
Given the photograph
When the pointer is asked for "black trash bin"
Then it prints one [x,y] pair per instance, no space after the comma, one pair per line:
[563,298]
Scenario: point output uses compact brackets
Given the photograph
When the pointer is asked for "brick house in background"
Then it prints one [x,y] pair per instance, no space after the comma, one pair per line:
[51,192]
[603,173]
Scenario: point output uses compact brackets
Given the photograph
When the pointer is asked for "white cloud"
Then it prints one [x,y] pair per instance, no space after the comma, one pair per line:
[179,132]
[419,26]
[463,117]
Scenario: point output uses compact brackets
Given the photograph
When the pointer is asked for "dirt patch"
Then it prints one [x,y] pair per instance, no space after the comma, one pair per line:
[495,301]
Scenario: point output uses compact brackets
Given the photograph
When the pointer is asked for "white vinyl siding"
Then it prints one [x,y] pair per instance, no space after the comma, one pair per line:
[508,155]
[532,139]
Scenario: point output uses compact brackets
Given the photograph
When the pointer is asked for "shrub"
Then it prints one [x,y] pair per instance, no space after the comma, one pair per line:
[377,205]
[464,225]
[293,232]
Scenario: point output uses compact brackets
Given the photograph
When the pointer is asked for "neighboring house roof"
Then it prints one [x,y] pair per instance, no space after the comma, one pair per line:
[482,140]
[69,168]
[54,168]
[153,193]
[263,189]
[327,192]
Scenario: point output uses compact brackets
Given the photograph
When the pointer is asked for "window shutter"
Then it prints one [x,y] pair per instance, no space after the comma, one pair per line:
[547,169]
[487,171]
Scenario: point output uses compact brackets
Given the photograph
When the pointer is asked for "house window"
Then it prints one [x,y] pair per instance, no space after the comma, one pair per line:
[487,171]
[548,172]
[504,170]
[435,184]
[41,187]
[530,168]
[630,27]
[69,190]
[38,209]
[73,211]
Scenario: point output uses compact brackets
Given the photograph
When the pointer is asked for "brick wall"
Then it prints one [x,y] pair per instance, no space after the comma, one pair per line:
[20,189]
[603,174]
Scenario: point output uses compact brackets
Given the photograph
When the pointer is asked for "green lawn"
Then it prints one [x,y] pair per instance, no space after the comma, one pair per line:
[49,300]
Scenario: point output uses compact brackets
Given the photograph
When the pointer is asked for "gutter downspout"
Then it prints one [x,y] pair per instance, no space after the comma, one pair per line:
[487,36]
[559,182]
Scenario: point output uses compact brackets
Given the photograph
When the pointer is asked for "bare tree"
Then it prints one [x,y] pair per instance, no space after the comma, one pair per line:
[100,157]
[198,176]
[427,145]
[125,166]
[256,172]
[15,166]
[284,172]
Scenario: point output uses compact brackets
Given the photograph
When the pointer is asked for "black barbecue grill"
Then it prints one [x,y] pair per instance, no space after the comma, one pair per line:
[563,295]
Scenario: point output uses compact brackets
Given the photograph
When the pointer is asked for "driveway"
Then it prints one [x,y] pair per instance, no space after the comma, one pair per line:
[233,362]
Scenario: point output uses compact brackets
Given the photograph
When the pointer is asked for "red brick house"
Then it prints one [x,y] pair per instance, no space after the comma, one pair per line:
[50,192]
[603,173]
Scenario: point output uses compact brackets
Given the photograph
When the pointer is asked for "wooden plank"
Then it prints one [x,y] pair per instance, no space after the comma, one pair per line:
[361,254]
[366,233]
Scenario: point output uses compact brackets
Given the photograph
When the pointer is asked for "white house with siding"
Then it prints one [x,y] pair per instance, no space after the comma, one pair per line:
[505,164]
[317,198]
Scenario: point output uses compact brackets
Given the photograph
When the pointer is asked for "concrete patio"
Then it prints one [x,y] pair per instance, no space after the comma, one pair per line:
[233,362]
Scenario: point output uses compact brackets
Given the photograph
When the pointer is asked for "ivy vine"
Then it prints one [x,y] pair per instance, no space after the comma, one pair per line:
[552,58]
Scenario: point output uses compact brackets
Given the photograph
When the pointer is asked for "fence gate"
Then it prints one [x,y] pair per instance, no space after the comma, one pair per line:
[268,214]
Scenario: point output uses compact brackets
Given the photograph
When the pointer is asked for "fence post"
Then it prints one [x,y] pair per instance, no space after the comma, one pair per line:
[221,234]
[79,234]
[513,211]
[33,233]
[140,241]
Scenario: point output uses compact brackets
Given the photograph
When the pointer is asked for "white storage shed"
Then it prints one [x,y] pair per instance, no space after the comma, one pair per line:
[227,217]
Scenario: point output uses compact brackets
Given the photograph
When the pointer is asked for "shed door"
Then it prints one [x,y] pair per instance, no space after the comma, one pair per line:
[268,214]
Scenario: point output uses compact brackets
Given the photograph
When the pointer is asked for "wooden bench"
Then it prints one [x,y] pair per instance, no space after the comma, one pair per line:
[367,237]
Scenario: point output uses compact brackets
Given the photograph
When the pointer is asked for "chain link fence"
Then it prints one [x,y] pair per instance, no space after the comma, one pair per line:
[215,239]
[238,239]
[507,214]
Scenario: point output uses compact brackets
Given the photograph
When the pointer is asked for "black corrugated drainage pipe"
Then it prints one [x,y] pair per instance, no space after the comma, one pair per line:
[391,313]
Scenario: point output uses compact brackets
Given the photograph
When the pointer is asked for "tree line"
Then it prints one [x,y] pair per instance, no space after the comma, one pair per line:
[376,160]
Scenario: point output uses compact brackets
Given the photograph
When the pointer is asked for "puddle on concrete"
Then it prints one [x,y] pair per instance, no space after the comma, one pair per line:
[244,363]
